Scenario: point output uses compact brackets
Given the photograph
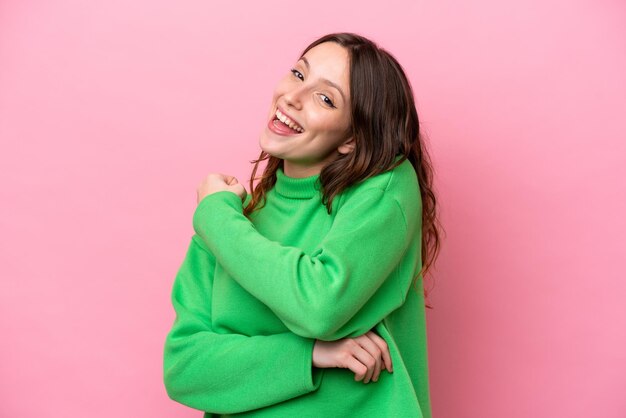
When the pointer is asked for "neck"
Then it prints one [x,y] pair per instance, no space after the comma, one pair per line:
[295,170]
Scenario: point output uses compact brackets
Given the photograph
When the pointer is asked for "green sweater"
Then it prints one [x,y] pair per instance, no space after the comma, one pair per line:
[251,298]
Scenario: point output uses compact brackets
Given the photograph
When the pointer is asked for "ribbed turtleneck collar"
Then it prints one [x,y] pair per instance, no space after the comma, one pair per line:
[301,187]
[296,187]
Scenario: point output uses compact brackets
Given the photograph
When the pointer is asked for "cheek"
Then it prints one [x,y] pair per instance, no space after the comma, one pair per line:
[331,125]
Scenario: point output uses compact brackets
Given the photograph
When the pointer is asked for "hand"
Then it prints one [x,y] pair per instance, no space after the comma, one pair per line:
[363,355]
[216,182]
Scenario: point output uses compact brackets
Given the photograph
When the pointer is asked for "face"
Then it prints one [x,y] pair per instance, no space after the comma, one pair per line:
[313,99]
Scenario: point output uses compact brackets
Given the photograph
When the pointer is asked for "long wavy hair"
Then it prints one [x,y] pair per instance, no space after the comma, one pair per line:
[384,125]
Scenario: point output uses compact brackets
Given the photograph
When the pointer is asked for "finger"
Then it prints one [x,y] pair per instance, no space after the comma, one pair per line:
[373,349]
[384,347]
[230,180]
[366,359]
[357,367]
[239,190]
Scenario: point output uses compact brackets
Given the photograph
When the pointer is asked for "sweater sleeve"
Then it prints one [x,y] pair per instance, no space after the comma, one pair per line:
[317,295]
[227,373]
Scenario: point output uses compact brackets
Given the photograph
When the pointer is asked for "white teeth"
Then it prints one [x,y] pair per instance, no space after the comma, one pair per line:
[284,119]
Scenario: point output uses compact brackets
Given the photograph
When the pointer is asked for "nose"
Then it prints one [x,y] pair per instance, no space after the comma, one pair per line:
[293,97]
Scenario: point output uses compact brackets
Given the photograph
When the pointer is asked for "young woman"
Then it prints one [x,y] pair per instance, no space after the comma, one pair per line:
[305,298]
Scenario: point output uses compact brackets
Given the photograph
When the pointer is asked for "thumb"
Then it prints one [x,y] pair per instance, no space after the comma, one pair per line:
[239,190]
[230,180]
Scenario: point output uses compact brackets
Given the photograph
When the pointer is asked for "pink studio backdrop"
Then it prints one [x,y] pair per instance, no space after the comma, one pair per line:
[112,112]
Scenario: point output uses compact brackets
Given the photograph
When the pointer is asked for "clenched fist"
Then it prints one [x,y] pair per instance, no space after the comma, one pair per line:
[216,182]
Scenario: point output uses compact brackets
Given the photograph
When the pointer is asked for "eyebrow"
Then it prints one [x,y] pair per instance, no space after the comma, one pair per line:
[330,83]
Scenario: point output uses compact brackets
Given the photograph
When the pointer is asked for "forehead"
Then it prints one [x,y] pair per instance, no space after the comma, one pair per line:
[331,61]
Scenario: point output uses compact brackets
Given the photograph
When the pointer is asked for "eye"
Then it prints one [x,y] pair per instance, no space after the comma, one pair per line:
[297,73]
[327,100]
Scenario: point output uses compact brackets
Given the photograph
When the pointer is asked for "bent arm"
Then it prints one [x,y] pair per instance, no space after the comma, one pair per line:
[227,373]
[316,295]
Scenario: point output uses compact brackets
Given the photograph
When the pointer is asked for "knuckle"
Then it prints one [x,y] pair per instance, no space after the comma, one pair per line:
[380,340]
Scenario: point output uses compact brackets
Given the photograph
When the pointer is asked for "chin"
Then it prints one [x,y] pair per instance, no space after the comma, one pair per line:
[265,145]
[263,142]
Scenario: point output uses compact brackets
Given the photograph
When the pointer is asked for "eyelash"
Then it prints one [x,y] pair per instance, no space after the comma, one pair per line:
[294,71]
[329,102]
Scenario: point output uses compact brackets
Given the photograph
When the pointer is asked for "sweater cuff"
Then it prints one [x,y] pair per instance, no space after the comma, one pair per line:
[313,375]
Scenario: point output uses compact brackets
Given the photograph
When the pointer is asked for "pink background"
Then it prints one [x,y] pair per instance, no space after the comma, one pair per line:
[111,114]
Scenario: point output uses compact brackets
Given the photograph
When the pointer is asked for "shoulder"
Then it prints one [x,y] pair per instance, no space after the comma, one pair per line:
[399,184]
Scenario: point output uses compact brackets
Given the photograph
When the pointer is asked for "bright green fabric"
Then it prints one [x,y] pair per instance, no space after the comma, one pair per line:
[251,297]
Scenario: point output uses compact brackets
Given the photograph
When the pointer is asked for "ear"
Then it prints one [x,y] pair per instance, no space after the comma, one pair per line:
[347,146]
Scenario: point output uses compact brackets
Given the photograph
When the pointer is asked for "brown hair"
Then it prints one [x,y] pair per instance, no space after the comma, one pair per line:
[384,124]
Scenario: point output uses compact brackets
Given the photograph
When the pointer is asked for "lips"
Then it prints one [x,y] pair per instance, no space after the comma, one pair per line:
[288,120]
[279,128]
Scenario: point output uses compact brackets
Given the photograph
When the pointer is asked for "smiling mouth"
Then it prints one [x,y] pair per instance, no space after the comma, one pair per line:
[278,116]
